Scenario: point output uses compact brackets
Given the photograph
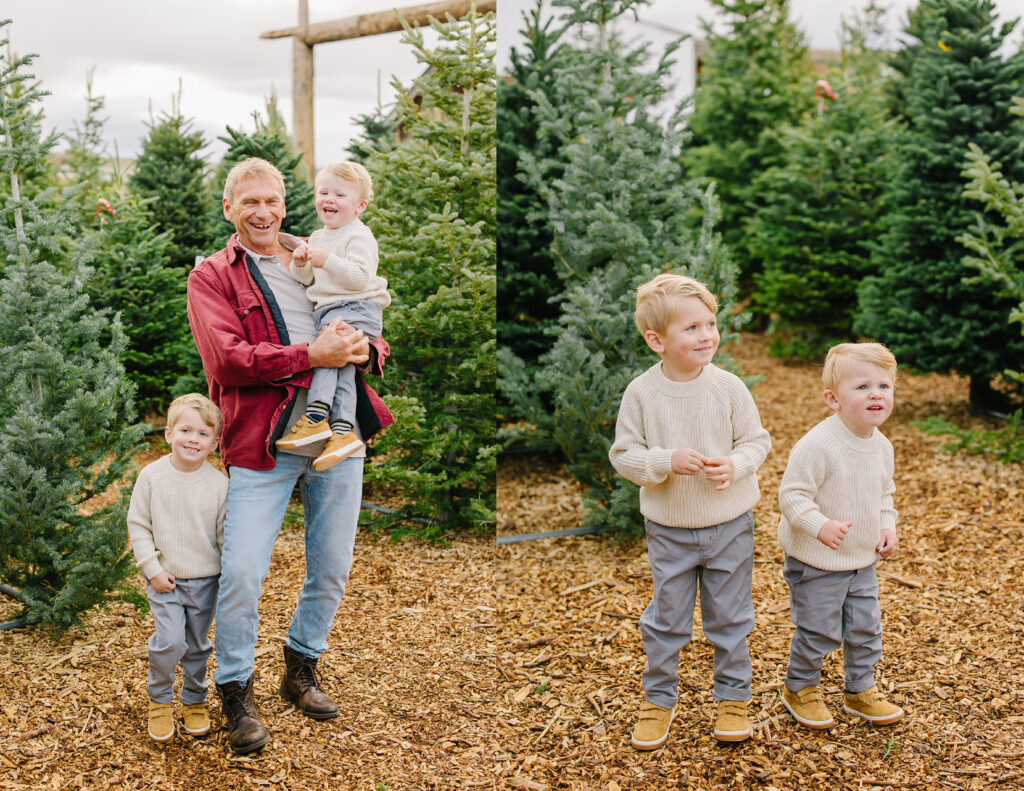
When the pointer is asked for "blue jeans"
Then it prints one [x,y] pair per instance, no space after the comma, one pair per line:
[256,506]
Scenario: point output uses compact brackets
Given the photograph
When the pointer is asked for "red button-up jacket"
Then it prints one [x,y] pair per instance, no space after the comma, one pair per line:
[252,370]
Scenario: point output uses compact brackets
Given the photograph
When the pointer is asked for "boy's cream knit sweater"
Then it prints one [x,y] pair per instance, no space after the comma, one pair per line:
[713,414]
[834,474]
[176,520]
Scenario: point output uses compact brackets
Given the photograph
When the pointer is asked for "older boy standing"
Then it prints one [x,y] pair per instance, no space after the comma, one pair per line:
[689,434]
[837,520]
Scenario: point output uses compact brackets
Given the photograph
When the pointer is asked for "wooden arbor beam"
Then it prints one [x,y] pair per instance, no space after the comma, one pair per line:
[379,22]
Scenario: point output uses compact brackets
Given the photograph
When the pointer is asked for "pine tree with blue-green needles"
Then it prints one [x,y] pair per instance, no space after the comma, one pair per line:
[66,406]
[621,211]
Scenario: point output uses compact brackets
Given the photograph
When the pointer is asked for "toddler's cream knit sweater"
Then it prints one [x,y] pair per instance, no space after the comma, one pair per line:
[834,474]
[713,414]
[350,271]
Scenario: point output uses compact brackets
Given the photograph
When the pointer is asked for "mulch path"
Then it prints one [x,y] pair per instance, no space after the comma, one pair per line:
[471,666]
[570,654]
[411,667]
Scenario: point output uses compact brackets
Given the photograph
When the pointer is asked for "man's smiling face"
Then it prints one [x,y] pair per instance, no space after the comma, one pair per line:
[256,208]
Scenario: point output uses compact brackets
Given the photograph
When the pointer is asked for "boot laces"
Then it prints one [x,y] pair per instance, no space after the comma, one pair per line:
[307,674]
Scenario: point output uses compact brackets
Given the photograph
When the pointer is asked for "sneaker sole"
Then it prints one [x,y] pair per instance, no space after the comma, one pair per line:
[326,462]
[733,736]
[191,732]
[818,725]
[655,744]
[887,720]
[161,739]
[286,444]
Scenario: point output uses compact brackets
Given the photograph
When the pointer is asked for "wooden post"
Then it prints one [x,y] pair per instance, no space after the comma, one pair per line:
[302,90]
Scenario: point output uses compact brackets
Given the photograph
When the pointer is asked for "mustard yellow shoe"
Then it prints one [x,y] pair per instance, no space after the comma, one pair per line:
[161,721]
[651,729]
[338,447]
[304,433]
[195,719]
[731,724]
[872,706]
[807,707]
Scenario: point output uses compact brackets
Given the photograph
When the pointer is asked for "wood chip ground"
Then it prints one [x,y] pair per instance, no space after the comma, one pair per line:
[471,666]
[953,609]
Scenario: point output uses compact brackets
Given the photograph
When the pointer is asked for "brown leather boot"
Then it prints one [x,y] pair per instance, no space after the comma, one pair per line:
[239,709]
[301,686]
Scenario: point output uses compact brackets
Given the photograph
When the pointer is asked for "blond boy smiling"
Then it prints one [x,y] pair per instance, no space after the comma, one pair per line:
[688,433]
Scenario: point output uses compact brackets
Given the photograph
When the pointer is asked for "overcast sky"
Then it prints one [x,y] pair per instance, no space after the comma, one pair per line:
[664,20]
[140,49]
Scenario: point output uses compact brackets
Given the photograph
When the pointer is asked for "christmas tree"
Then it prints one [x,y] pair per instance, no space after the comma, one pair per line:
[822,205]
[526,268]
[66,406]
[997,237]
[171,173]
[621,213]
[957,89]
[434,220]
[133,277]
[754,81]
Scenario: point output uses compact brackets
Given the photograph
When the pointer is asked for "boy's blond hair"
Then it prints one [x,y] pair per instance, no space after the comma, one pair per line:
[654,300]
[251,168]
[350,171]
[839,357]
[208,411]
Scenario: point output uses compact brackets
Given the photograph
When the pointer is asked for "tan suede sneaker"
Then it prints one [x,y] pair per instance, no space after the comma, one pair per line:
[872,706]
[651,729]
[339,446]
[161,721]
[195,720]
[807,707]
[304,433]
[732,724]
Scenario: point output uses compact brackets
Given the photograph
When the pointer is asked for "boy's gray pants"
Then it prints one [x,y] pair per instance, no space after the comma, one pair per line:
[337,386]
[182,621]
[720,561]
[833,608]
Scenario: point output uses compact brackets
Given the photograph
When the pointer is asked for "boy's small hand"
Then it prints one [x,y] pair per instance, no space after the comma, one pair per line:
[687,462]
[317,257]
[300,254]
[832,533]
[721,469]
[163,582]
[888,543]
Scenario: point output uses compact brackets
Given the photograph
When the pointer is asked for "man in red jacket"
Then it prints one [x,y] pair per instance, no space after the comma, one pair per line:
[253,326]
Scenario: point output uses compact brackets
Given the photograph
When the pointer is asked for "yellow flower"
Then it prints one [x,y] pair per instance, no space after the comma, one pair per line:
[943,46]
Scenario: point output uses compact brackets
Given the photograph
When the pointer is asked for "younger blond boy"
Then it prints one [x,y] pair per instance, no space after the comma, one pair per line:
[176,526]
[339,268]
[688,433]
[837,520]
